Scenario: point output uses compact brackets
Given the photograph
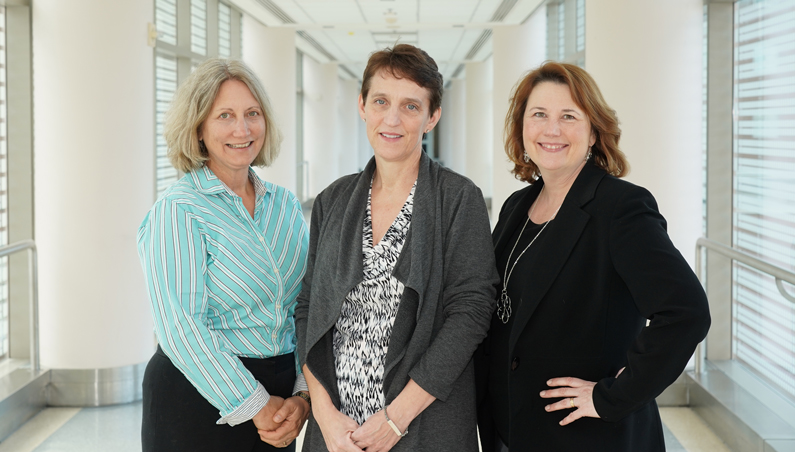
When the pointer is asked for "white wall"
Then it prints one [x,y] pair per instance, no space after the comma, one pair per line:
[517,50]
[94,179]
[646,57]
[271,54]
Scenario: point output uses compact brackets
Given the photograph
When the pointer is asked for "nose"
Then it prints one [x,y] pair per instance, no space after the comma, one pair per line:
[241,128]
[552,127]
[392,116]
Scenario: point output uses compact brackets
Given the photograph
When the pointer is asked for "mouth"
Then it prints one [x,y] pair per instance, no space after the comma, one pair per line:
[240,146]
[552,147]
[390,136]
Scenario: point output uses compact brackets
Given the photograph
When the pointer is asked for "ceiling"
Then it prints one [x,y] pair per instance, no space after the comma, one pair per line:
[453,32]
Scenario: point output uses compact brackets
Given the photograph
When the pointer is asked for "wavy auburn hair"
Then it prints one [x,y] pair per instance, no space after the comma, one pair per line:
[585,93]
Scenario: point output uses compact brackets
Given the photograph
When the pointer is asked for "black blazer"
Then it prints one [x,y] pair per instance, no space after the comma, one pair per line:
[605,265]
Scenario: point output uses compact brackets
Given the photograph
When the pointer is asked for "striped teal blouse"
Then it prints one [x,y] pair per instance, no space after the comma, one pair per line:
[223,285]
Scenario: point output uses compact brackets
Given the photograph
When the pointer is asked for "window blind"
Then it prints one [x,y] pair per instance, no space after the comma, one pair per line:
[764,186]
[198,26]
[224,31]
[166,20]
[165,86]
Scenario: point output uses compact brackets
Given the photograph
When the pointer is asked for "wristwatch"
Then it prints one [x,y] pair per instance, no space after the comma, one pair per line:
[304,395]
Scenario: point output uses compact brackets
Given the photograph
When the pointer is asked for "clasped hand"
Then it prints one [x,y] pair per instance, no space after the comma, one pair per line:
[280,421]
[343,434]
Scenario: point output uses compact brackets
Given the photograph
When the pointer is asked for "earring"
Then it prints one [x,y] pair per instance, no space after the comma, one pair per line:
[589,154]
[526,157]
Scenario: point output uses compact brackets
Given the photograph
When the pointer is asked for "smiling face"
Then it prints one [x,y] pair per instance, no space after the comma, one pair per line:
[396,114]
[234,131]
[556,132]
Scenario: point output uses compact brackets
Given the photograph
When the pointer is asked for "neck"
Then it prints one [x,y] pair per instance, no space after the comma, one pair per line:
[556,186]
[237,181]
[396,175]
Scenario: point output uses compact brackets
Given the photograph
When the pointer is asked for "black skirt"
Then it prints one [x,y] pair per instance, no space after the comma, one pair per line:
[176,418]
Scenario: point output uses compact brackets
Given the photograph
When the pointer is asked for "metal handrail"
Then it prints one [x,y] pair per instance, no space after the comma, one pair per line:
[781,275]
[33,273]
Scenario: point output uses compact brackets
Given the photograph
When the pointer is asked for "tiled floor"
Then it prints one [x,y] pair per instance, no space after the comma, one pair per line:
[117,428]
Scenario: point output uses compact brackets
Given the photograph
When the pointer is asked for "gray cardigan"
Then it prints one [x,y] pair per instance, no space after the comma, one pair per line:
[447,268]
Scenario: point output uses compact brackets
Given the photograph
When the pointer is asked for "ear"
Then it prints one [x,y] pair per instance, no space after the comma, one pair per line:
[434,119]
[361,107]
[593,138]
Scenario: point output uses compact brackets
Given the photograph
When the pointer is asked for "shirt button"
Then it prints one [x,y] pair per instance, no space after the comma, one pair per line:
[276,270]
[515,364]
[262,239]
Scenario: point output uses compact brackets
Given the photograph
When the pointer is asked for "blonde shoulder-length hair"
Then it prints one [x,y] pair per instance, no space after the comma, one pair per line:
[191,106]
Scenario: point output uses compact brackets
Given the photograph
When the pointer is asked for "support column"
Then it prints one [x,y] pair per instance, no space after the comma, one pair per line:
[347,118]
[478,129]
[271,54]
[720,80]
[320,99]
[517,50]
[453,139]
[94,177]
[644,57]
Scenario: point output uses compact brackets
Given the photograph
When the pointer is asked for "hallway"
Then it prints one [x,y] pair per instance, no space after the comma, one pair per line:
[117,428]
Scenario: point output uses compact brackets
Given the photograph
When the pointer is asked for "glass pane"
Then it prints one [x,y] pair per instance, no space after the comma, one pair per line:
[764,186]
[224,31]
[165,86]
[198,26]
[166,20]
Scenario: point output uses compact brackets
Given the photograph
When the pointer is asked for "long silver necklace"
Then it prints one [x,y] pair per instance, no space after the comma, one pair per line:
[504,302]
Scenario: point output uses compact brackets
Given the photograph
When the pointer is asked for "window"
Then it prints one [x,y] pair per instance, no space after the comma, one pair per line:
[566,31]
[763,219]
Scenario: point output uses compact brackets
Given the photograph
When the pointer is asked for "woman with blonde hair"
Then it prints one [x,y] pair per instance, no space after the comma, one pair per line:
[223,254]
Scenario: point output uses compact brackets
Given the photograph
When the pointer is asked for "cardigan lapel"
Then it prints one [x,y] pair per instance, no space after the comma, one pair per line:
[562,235]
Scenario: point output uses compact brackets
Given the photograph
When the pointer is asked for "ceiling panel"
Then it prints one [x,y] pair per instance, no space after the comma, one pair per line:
[349,30]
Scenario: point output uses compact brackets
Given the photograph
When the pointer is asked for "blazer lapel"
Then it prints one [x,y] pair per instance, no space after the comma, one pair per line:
[516,216]
[562,235]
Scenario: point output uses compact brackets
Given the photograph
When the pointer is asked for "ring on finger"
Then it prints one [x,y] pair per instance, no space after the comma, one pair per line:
[571,400]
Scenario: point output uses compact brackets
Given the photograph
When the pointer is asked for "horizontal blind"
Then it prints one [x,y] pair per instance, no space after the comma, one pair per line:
[224,31]
[165,86]
[198,26]
[166,20]
[764,186]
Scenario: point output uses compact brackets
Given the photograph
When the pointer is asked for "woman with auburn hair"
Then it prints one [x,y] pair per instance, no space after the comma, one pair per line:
[223,254]
[399,289]
[569,363]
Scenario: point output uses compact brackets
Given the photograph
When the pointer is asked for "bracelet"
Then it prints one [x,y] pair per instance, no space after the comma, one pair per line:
[305,396]
[394,427]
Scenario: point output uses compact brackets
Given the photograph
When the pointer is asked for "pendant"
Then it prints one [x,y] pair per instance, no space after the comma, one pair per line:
[504,307]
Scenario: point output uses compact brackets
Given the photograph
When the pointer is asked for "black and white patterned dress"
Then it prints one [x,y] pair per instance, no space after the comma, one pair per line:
[362,333]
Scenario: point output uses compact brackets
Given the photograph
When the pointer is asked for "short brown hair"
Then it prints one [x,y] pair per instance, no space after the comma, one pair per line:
[406,61]
[191,106]
[585,93]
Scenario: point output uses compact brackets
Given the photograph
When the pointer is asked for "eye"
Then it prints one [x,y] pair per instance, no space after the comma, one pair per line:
[412,107]
[569,117]
[539,114]
[224,116]
[380,102]
[253,113]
